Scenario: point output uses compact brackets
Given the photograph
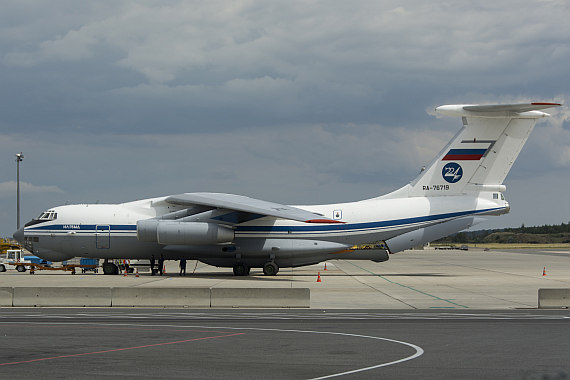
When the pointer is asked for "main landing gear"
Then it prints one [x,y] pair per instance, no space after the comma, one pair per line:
[110,268]
[270,268]
[241,269]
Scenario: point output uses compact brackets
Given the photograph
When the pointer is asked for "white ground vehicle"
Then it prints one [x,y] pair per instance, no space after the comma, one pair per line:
[14,257]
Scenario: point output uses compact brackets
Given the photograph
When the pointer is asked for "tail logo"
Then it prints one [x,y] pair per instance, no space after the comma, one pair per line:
[452,172]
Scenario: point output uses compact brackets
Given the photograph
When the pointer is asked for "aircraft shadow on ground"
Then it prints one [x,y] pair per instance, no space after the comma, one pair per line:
[229,276]
[291,277]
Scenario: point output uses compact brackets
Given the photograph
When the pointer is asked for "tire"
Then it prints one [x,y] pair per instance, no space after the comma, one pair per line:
[2,268]
[241,269]
[21,268]
[110,268]
[270,269]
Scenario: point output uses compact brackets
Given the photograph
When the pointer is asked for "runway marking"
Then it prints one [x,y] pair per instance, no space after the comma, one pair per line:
[118,349]
[314,315]
[418,350]
[317,315]
[409,287]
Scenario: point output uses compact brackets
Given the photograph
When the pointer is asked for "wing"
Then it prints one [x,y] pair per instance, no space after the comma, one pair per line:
[244,207]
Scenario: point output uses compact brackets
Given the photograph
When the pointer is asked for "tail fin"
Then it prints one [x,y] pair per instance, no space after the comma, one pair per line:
[481,154]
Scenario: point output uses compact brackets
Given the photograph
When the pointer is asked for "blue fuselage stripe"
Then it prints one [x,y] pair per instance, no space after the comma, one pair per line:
[361,226]
[86,227]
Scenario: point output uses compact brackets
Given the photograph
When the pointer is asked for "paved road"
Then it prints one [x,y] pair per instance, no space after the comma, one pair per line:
[281,344]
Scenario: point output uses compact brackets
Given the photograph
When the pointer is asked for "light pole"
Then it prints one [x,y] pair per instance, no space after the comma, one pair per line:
[19,158]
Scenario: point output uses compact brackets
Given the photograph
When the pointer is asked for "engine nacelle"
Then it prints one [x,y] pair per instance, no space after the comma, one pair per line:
[183,233]
[146,230]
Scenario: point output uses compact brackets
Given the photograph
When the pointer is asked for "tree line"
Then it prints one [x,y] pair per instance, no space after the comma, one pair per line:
[555,233]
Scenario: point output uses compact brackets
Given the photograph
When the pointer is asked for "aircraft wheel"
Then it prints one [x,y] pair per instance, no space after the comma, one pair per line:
[241,270]
[110,268]
[21,268]
[270,269]
[2,268]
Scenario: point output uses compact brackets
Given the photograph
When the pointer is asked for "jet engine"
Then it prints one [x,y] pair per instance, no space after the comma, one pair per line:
[183,233]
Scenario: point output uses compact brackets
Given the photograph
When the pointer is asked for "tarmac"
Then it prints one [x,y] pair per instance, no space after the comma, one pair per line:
[415,279]
[283,344]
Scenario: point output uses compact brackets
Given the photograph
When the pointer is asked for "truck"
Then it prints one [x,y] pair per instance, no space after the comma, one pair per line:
[16,258]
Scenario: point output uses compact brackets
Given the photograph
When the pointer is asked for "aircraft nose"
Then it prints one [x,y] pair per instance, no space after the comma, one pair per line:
[19,235]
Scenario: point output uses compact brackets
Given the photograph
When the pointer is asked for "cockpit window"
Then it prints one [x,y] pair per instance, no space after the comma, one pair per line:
[44,217]
[48,215]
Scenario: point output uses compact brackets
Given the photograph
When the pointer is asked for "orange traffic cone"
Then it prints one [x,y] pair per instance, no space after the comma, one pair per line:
[319,277]
[137,273]
[126,273]
[544,271]
[325,266]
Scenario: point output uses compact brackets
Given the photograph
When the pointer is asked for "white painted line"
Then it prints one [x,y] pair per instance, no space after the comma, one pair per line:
[419,352]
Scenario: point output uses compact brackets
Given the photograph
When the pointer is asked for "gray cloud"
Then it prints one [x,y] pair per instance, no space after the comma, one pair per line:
[10,187]
[286,61]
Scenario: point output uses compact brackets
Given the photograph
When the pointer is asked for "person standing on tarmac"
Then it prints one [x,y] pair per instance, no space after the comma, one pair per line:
[183,267]
[152,262]
[161,264]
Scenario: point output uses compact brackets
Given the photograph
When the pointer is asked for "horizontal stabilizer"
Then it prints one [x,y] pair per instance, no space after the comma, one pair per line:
[496,110]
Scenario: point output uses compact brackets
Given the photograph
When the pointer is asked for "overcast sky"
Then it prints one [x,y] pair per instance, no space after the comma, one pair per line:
[298,102]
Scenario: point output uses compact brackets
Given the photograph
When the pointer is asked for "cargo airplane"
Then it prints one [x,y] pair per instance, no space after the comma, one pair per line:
[462,183]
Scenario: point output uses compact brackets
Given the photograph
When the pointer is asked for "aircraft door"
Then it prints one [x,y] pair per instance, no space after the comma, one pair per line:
[103,237]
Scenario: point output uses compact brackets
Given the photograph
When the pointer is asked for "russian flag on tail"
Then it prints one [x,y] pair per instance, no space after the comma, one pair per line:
[464,154]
